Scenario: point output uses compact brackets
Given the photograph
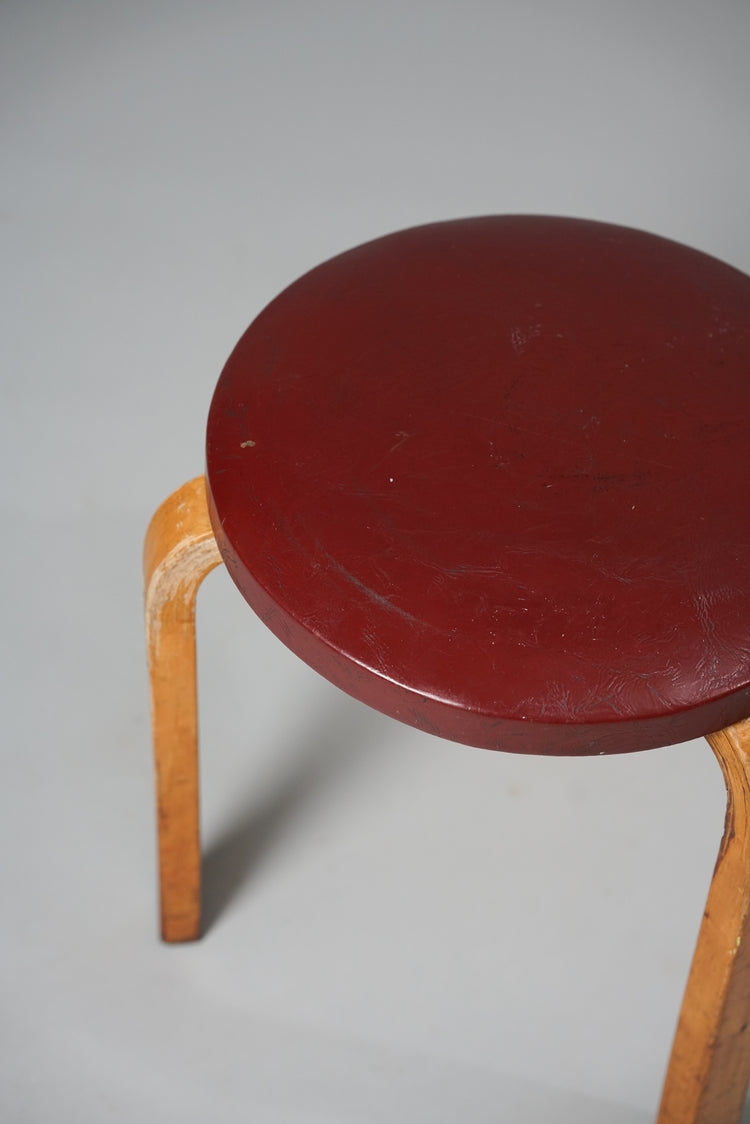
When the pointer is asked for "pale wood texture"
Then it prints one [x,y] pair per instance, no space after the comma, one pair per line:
[179,551]
[708,1072]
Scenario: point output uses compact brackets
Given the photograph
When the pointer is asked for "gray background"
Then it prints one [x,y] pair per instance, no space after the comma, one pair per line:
[400,928]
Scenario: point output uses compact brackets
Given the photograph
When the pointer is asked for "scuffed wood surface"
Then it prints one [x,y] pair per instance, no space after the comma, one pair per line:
[179,551]
[708,1072]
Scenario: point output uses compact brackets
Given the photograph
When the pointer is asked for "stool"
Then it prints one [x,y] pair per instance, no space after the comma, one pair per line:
[490,477]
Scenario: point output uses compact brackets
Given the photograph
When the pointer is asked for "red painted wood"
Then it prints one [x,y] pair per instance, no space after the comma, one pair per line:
[492,477]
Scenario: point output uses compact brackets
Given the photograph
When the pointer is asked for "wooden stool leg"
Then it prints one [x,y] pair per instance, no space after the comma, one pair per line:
[179,551]
[708,1072]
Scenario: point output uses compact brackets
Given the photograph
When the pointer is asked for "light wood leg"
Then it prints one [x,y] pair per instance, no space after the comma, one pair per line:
[179,551]
[708,1072]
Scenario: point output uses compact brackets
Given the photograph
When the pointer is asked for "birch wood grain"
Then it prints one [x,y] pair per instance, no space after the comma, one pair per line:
[180,550]
[709,1068]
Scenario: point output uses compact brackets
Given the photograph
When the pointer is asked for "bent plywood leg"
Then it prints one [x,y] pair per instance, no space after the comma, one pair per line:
[180,550]
[708,1072]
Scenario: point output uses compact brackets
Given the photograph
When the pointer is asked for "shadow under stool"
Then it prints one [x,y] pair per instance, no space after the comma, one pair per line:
[491,477]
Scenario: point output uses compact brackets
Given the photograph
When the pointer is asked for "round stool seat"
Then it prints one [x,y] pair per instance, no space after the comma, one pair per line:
[491,477]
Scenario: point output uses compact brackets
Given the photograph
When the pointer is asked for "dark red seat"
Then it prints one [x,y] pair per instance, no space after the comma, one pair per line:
[491,477]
